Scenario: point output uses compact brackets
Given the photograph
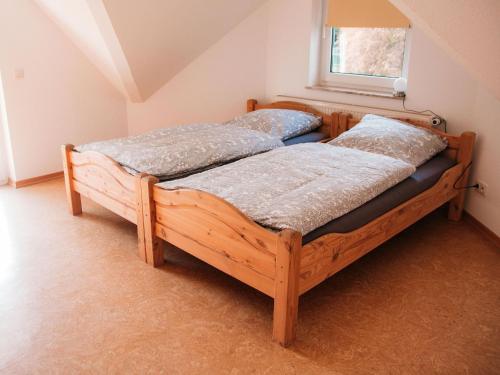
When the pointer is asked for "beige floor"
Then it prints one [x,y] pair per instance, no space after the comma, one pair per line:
[75,299]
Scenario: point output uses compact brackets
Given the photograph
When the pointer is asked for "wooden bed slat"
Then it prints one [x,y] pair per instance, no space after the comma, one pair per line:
[105,182]
[219,210]
[223,263]
[111,204]
[106,164]
[228,241]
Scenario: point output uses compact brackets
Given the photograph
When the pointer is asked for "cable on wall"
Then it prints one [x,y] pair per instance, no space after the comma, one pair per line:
[475,186]
[436,120]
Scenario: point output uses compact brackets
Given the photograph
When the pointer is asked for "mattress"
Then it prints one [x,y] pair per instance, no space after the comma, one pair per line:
[314,136]
[424,177]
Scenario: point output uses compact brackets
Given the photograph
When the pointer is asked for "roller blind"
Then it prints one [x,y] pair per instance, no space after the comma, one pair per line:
[365,13]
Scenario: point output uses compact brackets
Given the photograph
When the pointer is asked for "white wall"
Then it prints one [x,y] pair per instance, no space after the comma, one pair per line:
[63,98]
[215,86]
[77,21]
[160,38]
[435,81]
[4,160]
[477,47]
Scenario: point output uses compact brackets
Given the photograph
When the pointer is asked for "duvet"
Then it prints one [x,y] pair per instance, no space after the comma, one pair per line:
[300,187]
[179,151]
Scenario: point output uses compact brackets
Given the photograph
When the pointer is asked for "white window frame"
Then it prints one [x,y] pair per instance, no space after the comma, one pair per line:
[320,55]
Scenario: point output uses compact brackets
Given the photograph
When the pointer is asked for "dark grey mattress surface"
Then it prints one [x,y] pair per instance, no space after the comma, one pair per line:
[305,138]
[424,177]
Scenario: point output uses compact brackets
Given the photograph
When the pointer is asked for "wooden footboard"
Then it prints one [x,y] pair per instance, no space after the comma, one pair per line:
[216,232]
[101,179]
[104,181]
[213,230]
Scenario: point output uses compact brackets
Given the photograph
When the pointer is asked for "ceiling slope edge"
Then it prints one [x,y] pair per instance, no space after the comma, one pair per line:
[107,31]
[478,66]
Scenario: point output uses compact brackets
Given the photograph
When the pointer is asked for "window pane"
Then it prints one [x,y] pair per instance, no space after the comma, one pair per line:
[368,51]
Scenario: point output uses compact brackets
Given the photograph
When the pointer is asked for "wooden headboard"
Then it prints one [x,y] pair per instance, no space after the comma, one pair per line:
[459,146]
[327,120]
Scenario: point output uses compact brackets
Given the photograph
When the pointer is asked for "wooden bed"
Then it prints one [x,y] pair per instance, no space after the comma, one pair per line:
[107,183]
[276,263]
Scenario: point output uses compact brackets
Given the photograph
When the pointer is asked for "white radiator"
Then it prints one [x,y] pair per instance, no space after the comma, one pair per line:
[357,111]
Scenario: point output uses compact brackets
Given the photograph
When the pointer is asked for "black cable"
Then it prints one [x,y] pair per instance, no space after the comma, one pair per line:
[418,112]
[425,111]
[475,186]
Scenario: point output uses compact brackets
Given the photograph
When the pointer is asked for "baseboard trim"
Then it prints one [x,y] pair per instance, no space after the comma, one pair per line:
[487,232]
[35,180]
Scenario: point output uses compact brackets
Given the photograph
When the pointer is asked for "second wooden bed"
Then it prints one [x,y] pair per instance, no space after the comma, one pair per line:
[104,181]
[276,263]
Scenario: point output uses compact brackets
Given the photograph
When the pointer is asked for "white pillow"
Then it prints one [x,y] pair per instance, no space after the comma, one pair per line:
[381,135]
[283,123]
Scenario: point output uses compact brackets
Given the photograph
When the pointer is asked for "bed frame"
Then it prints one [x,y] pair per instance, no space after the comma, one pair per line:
[276,263]
[104,181]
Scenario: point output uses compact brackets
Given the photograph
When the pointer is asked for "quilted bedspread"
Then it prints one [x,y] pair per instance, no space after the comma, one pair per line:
[175,152]
[301,187]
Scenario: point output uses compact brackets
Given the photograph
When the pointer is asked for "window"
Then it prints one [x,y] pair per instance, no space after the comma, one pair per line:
[358,58]
[371,52]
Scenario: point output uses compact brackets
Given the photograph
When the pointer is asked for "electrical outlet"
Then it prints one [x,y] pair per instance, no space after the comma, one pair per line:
[19,73]
[482,187]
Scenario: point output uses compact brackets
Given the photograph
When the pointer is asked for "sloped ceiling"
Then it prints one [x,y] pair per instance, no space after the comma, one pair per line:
[140,45]
[77,21]
[160,37]
[469,30]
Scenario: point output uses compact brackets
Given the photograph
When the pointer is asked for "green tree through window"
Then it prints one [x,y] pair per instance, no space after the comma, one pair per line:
[368,51]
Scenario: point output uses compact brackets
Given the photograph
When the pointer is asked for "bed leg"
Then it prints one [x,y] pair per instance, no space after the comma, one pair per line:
[286,296]
[153,247]
[141,244]
[74,198]
[251,103]
[464,157]
[456,207]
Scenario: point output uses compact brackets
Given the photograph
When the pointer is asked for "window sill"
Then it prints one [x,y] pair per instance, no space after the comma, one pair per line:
[379,94]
